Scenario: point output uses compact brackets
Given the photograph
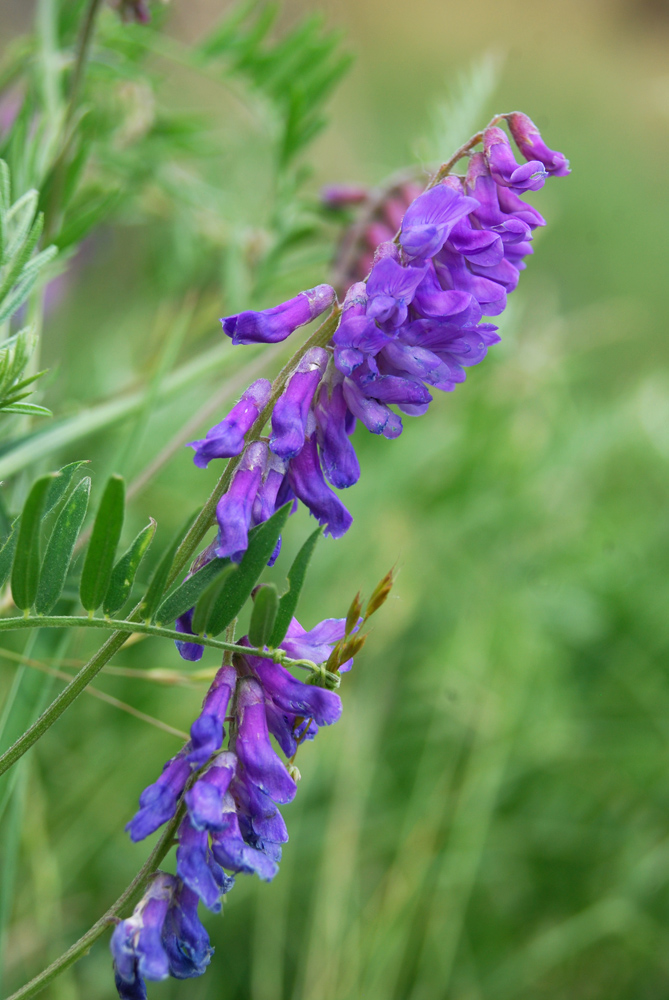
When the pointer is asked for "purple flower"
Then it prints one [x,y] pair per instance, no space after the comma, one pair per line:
[205,798]
[452,272]
[261,822]
[206,733]
[433,301]
[390,290]
[253,748]
[136,944]
[316,644]
[489,215]
[511,203]
[528,140]
[185,940]
[430,218]
[227,438]
[235,508]
[191,651]
[357,333]
[273,325]
[231,851]
[158,802]
[294,697]
[195,863]
[389,388]
[306,480]
[504,168]
[377,417]
[334,425]
[290,414]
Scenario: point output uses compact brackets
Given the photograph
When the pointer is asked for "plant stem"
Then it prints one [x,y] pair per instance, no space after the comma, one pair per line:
[52,212]
[83,945]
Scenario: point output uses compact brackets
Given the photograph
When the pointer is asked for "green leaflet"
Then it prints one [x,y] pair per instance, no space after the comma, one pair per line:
[26,567]
[296,577]
[238,586]
[103,544]
[189,592]
[123,574]
[263,616]
[61,544]
[207,602]
[7,553]
[156,589]
[60,485]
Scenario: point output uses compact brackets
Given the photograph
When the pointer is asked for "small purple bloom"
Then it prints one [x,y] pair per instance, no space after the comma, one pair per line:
[290,414]
[185,940]
[434,302]
[510,202]
[136,944]
[205,798]
[503,165]
[528,140]
[227,438]
[273,325]
[231,851]
[333,427]
[194,865]
[430,218]
[306,479]
[253,748]
[259,812]
[357,333]
[235,508]
[317,643]
[207,732]
[295,697]
[377,418]
[158,802]
[452,272]
[389,388]
[479,246]
[489,215]
[191,651]
[390,290]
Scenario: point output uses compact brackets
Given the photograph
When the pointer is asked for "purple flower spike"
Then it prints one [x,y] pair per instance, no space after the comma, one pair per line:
[231,851]
[376,417]
[205,798]
[227,438]
[136,944]
[429,219]
[158,802]
[503,165]
[306,479]
[273,325]
[390,290]
[338,457]
[185,940]
[289,418]
[207,731]
[235,507]
[263,767]
[194,865]
[528,140]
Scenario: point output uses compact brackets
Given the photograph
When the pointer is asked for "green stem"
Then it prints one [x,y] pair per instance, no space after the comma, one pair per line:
[53,207]
[83,945]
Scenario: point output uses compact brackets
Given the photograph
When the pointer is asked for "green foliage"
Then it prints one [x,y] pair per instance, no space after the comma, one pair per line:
[125,570]
[20,230]
[190,591]
[263,615]
[204,614]
[296,576]
[26,565]
[101,552]
[156,590]
[60,547]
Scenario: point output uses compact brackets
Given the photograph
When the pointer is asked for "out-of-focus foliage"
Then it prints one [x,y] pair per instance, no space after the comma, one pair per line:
[489,820]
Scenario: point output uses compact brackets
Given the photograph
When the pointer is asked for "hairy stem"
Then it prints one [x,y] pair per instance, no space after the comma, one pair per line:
[83,945]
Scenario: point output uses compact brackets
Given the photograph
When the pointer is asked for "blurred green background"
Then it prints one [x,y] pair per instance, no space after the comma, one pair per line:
[490,819]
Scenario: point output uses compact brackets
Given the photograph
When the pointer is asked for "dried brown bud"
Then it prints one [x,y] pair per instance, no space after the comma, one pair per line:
[354,613]
[380,594]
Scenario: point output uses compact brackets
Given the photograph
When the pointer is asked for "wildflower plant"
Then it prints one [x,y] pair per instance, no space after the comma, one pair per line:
[422,266]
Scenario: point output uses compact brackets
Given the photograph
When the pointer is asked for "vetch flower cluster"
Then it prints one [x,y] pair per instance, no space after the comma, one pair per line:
[228,799]
[414,325]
